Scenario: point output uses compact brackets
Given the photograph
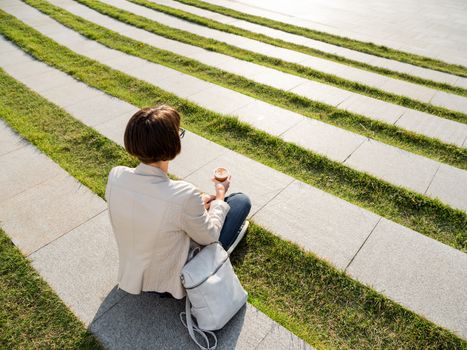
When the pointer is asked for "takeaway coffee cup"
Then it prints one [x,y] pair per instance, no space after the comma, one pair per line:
[221,174]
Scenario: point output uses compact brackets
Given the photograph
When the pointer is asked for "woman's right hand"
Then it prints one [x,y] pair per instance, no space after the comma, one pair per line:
[221,187]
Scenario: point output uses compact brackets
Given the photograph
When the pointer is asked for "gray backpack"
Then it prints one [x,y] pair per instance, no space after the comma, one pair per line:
[212,289]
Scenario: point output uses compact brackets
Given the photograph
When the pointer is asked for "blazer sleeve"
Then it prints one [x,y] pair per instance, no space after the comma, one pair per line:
[108,186]
[202,226]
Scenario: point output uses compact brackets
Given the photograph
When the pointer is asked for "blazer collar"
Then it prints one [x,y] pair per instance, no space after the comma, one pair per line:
[145,169]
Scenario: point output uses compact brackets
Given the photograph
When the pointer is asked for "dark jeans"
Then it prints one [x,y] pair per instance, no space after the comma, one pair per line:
[240,206]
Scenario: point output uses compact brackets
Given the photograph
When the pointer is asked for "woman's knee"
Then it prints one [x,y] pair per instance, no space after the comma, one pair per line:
[241,198]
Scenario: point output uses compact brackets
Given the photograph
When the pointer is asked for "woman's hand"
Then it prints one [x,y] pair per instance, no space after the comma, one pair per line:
[207,199]
[221,187]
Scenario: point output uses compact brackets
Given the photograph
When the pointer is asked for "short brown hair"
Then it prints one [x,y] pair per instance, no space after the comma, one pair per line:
[152,134]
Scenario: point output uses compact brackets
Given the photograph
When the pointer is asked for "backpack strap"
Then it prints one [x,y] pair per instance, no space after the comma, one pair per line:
[192,328]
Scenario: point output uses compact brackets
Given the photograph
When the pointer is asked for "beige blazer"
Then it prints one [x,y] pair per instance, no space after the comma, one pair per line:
[153,219]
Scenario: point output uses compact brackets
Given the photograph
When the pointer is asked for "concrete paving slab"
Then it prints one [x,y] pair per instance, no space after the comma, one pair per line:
[28,68]
[239,67]
[267,117]
[333,229]
[258,181]
[44,81]
[394,165]
[450,101]
[214,58]
[450,186]
[276,52]
[143,321]
[68,94]
[279,339]
[9,140]
[368,106]
[462,82]
[114,128]
[221,100]
[8,58]
[54,30]
[82,267]
[7,46]
[98,109]
[417,272]
[434,75]
[103,54]
[183,85]
[198,11]
[9,3]
[358,75]
[44,212]
[129,325]
[404,88]
[18,176]
[322,93]
[442,129]
[330,141]
[277,79]
[125,62]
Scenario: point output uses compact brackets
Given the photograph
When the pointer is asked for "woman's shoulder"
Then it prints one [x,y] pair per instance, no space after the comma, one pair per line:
[119,170]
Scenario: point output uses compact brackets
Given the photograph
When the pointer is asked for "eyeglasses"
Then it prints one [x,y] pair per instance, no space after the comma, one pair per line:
[182,133]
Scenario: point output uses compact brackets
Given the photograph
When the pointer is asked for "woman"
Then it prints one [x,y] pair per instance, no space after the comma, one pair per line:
[155,219]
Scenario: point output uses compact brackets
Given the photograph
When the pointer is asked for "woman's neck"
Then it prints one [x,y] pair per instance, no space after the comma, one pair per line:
[163,165]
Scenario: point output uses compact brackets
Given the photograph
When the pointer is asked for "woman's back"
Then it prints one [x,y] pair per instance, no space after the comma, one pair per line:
[151,216]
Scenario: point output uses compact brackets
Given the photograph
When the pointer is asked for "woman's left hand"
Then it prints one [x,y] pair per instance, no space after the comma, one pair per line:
[207,199]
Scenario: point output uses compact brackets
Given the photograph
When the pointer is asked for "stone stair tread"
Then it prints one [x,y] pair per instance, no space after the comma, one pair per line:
[145,70]
[381,62]
[369,107]
[365,222]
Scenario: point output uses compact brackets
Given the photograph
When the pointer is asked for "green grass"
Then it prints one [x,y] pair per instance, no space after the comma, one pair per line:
[32,316]
[210,23]
[387,133]
[352,44]
[418,212]
[278,64]
[305,294]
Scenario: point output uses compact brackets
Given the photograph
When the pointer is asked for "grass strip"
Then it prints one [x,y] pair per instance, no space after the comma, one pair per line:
[32,316]
[275,63]
[387,133]
[366,47]
[210,23]
[425,215]
[305,294]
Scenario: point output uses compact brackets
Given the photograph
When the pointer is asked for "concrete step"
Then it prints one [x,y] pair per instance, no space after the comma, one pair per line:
[392,164]
[332,228]
[419,122]
[385,83]
[358,56]
[401,25]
